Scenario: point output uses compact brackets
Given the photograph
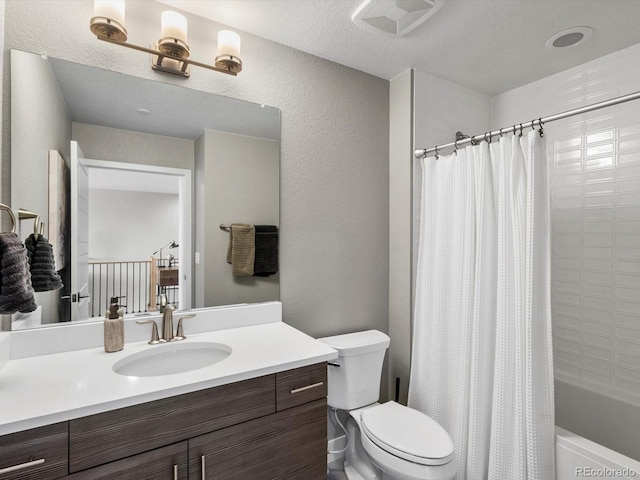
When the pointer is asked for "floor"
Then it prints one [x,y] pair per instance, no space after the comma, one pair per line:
[336,475]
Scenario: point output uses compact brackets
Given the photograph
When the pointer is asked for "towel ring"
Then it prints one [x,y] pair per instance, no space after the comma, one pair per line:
[5,208]
[25,215]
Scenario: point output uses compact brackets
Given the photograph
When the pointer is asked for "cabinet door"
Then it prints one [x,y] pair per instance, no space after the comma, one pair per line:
[37,454]
[291,445]
[167,463]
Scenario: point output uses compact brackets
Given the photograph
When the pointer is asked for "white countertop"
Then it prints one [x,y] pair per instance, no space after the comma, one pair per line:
[45,389]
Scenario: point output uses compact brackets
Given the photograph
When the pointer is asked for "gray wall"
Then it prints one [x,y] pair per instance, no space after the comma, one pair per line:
[113,213]
[440,108]
[44,121]
[241,185]
[400,189]
[334,164]
[115,145]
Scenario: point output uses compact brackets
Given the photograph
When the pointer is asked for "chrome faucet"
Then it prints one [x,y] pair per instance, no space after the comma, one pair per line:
[167,323]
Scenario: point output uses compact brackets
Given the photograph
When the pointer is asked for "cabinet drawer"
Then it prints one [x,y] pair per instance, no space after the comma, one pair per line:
[117,434]
[290,444]
[301,385]
[167,463]
[37,454]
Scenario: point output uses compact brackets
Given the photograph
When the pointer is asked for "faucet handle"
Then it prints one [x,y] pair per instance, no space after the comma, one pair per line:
[180,331]
[155,339]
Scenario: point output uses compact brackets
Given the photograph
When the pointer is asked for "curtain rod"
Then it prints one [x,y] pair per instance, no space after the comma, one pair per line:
[423,152]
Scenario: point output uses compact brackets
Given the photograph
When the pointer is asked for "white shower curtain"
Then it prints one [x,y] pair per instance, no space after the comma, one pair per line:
[482,355]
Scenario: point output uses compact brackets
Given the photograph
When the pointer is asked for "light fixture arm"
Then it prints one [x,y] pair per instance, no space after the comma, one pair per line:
[183,61]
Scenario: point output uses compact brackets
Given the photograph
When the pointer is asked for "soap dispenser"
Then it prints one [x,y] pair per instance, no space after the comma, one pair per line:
[114,327]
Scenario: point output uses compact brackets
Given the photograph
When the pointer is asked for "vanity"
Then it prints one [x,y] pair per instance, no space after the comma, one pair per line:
[259,413]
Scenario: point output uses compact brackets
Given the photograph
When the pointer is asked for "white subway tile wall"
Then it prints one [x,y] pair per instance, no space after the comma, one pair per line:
[595,201]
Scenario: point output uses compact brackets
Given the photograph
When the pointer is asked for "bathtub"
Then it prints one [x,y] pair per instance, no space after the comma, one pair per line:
[577,458]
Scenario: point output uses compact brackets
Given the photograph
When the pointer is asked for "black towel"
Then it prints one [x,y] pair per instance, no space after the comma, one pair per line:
[42,264]
[16,293]
[266,259]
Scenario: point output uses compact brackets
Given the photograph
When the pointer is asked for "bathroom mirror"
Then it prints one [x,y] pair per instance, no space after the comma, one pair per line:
[166,166]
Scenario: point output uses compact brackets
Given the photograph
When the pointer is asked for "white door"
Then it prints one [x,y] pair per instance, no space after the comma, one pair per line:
[79,235]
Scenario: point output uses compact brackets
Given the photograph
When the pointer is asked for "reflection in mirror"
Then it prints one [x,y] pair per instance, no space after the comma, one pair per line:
[132,179]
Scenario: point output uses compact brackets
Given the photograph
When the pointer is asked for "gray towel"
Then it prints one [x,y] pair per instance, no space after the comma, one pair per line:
[16,293]
[42,264]
[266,261]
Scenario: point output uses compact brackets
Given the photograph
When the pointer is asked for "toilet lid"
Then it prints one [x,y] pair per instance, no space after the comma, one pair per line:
[407,433]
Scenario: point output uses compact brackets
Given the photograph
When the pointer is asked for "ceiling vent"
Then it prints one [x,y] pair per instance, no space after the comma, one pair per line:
[394,18]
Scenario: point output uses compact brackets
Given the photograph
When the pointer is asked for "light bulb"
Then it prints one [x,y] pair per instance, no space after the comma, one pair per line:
[228,43]
[111,9]
[174,25]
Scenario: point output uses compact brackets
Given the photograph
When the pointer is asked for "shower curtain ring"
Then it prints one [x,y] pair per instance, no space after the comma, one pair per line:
[541,131]
[500,132]
[520,129]
[437,155]
[455,144]
[514,130]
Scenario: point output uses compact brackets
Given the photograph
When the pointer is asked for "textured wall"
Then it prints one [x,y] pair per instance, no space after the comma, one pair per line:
[595,212]
[334,162]
[40,116]
[43,120]
[115,145]
[400,189]
[440,108]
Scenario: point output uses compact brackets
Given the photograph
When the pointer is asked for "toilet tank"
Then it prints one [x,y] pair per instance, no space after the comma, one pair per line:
[356,382]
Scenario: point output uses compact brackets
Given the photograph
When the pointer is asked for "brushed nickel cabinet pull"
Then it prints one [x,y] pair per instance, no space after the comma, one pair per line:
[308,387]
[175,472]
[15,468]
[202,464]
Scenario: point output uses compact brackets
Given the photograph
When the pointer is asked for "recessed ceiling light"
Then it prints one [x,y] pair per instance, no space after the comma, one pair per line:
[570,37]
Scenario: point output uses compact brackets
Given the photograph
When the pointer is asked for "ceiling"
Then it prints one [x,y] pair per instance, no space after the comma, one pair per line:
[488,45]
[111,99]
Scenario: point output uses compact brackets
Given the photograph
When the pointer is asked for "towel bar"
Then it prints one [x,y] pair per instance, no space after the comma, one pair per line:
[226,228]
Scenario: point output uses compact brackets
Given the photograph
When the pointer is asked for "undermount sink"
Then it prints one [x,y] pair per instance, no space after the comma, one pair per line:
[171,358]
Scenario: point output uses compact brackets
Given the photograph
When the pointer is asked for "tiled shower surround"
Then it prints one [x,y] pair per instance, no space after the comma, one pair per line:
[595,201]
[595,188]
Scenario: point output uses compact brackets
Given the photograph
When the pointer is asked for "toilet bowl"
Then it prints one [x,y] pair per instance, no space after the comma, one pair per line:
[386,441]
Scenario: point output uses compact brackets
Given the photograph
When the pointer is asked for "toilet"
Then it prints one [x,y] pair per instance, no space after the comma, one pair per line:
[386,441]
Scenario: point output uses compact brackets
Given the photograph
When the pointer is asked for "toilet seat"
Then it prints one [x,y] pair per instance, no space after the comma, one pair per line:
[407,433]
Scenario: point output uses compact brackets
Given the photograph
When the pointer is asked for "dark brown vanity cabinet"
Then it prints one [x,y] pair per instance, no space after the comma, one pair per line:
[37,454]
[270,427]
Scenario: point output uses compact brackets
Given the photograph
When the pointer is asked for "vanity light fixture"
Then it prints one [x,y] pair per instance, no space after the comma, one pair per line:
[171,53]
